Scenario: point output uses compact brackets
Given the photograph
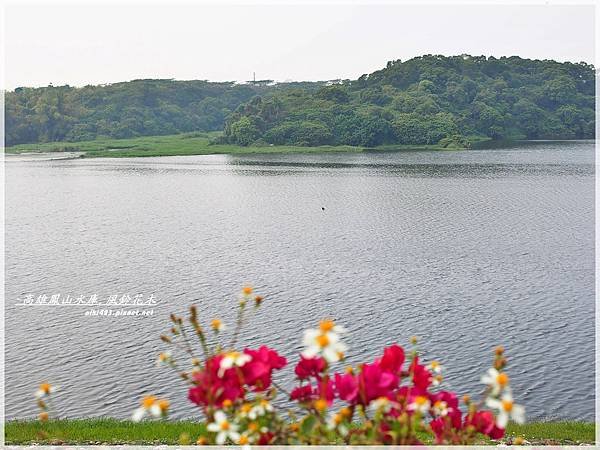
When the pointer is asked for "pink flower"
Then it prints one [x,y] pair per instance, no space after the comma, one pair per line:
[347,387]
[484,423]
[302,393]
[211,390]
[373,382]
[323,389]
[449,398]
[310,367]
[393,358]
[420,376]
[258,371]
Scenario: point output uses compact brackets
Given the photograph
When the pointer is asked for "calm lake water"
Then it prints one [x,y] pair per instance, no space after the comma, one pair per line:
[465,249]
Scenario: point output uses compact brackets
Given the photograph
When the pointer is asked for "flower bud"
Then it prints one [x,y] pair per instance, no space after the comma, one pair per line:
[165,339]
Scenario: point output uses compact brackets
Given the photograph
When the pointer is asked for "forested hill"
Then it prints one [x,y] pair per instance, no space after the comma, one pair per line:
[128,109]
[427,100]
[421,101]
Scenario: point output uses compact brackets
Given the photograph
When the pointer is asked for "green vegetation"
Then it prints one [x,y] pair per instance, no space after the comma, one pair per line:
[428,100]
[112,431]
[99,431]
[125,110]
[186,144]
[554,433]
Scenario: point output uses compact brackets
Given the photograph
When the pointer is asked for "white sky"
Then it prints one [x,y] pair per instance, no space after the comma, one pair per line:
[80,45]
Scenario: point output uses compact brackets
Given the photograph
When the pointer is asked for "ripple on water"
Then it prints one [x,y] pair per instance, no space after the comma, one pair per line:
[466,250]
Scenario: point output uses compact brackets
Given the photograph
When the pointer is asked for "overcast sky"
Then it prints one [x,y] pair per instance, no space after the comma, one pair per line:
[91,45]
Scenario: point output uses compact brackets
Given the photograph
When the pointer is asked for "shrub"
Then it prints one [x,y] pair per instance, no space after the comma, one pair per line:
[394,399]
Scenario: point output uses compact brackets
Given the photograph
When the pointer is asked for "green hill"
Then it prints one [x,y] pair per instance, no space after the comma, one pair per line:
[126,110]
[428,100]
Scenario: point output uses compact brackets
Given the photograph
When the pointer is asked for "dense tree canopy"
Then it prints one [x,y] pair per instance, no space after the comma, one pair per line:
[425,100]
[429,100]
[124,110]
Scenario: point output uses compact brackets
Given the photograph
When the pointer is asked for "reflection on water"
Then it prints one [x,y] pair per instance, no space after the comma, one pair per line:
[466,249]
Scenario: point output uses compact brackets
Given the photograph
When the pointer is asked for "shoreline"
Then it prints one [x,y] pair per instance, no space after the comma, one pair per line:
[106,431]
[195,144]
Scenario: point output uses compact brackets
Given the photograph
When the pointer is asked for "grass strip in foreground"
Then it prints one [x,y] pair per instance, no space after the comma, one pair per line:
[113,431]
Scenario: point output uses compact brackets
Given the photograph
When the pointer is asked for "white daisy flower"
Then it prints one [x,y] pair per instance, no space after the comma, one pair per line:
[435,367]
[382,403]
[223,428]
[45,390]
[335,422]
[324,341]
[507,409]
[440,408]
[164,359]
[261,409]
[150,405]
[420,404]
[217,325]
[233,359]
[497,381]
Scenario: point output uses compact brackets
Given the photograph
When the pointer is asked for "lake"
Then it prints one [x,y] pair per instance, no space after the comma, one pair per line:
[465,249]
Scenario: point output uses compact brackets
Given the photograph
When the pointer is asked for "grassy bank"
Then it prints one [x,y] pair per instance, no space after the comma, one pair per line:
[182,144]
[111,431]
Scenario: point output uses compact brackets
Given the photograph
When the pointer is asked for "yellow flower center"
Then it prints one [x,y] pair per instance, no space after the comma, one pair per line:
[322,340]
[507,405]
[45,388]
[502,379]
[227,403]
[43,416]
[346,412]
[320,404]
[216,324]
[163,357]
[148,401]
[420,400]
[264,403]
[163,405]
[246,407]
[435,365]
[243,440]
[326,325]
[224,425]
[247,290]
[337,419]
[252,427]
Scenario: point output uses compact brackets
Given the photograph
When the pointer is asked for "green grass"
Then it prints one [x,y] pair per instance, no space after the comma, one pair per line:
[100,431]
[183,144]
[551,433]
[112,431]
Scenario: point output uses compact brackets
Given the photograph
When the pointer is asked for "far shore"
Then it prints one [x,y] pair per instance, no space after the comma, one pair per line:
[189,144]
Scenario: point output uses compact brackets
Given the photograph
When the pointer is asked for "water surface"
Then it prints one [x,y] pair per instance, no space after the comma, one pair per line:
[465,249]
